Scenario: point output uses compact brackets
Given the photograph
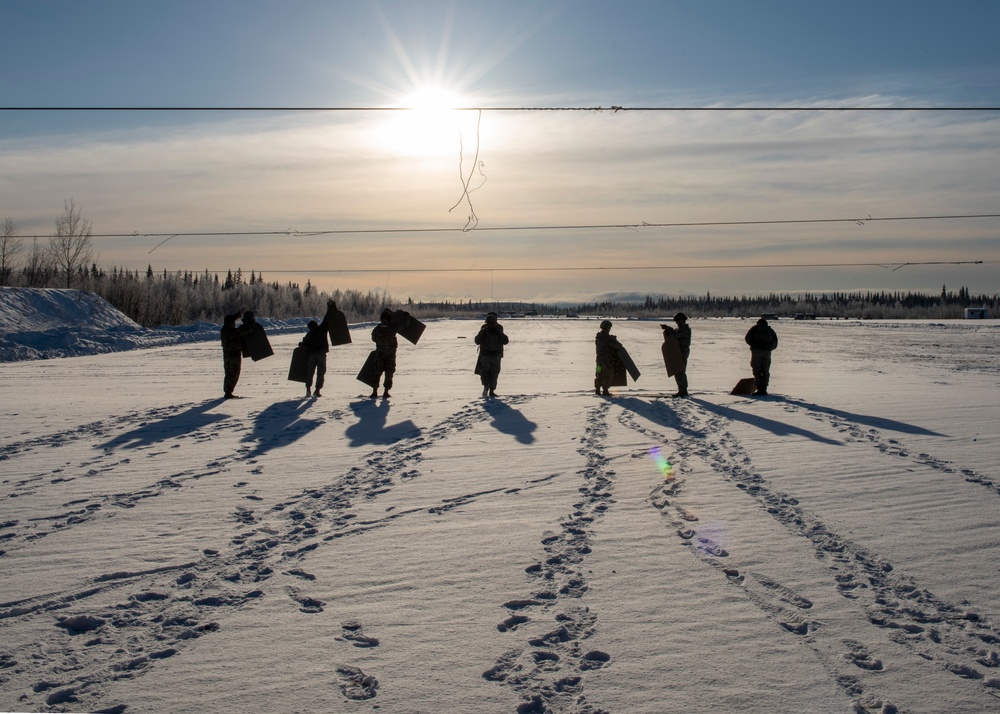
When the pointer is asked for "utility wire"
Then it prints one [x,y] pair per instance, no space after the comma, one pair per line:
[566,268]
[611,108]
[596,226]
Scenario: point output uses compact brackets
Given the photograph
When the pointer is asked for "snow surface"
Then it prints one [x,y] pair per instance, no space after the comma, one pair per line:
[43,323]
[831,548]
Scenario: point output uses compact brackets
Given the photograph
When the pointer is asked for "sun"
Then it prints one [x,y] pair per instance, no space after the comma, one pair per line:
[432,100]
[428,122]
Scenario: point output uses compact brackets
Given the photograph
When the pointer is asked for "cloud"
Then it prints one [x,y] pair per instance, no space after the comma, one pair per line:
[303,173]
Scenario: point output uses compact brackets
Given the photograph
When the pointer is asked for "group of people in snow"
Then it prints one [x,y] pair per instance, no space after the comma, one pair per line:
[761,338]
[491,340]
[234,348]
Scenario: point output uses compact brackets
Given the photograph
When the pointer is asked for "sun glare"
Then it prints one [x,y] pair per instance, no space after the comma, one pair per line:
[429,125]
[432,100]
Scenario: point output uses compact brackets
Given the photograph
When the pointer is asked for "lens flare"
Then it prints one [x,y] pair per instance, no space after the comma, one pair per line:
[662,464]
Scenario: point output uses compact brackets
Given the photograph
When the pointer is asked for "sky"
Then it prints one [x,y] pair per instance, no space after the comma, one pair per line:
[394,191]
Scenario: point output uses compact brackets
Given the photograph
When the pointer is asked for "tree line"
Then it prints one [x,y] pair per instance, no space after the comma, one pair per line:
[182,297]
[151,299]
[859,304]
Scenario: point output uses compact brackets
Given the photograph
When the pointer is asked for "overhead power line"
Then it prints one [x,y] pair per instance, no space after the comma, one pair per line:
[611,108]
[582,268]
[587,226]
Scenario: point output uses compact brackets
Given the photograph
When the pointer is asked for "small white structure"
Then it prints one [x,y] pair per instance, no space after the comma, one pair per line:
[976,313]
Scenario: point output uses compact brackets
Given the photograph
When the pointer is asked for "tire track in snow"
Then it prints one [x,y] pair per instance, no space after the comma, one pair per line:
[547,671]
[957,639]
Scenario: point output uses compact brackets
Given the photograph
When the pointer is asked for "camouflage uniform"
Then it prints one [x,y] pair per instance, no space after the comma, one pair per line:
[762,340]
[232,352]
[683,334]
[316,344]
[607,353]
[491,339]
[384,337]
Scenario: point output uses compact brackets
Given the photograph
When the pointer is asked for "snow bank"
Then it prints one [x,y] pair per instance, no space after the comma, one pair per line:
[43,323]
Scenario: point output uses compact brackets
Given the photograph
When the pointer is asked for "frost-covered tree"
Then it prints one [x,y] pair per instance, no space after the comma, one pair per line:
[10,248]
[70,247]
[37,270]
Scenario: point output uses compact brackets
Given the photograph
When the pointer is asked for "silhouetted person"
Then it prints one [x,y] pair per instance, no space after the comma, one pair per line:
[607,353]
[683,334]
[763,341]
[232,350]
[317,345]
[384,337]
[491,339]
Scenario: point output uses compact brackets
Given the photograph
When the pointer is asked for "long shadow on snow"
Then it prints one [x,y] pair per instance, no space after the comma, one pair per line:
[279,425]
[877,422]
[659,413]
[370,428]
[183,422]
[775,427]
[509,420]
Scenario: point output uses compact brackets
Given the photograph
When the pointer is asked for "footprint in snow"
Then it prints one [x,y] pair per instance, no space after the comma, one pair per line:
[355,684]
[306,604]
[352,632]
[859,655]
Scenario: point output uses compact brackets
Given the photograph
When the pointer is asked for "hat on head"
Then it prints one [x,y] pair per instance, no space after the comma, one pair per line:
[313,324]
[491,317]
[606,324]
[680,317]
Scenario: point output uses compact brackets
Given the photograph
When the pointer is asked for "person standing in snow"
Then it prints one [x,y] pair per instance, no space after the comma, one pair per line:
[607,352]
[232,351]
[384,337]
[763,341]
[683,334]
[317,345]
[491,339]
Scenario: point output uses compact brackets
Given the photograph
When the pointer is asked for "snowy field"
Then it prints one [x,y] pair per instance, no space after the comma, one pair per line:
[42,323]
[831,548]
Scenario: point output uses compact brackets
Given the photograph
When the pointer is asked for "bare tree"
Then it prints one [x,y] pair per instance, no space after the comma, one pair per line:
[10,248]
[37,266]
[70,247]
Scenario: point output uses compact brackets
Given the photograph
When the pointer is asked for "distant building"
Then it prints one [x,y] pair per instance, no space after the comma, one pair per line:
[976,313]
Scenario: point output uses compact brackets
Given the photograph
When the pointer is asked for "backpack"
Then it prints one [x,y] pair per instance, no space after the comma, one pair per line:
[763,338]
[491,342]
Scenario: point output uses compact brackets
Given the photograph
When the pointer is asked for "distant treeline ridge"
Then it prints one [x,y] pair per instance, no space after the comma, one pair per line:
[177,298]
[861,304]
